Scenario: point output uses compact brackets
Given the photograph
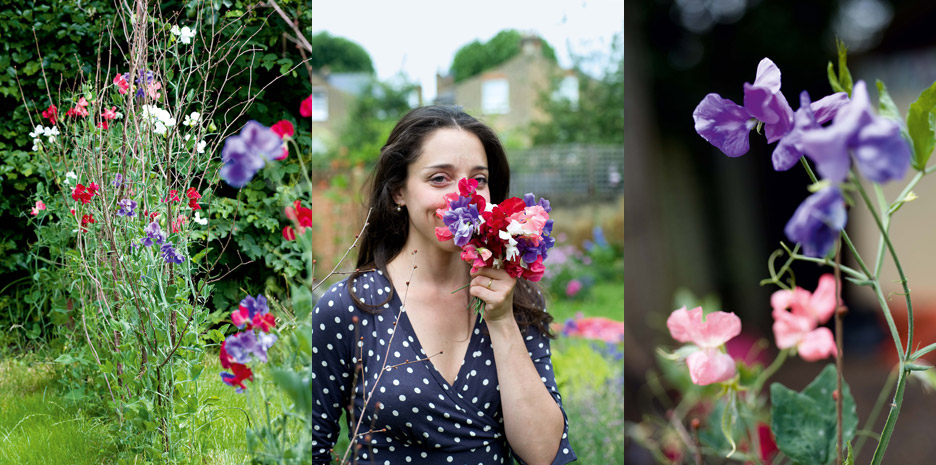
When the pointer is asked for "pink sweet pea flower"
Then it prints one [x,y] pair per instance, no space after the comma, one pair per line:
[708,365]
[799,327]
[122,85]
[39,206]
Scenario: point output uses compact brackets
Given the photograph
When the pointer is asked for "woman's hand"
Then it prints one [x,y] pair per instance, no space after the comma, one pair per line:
[495,287]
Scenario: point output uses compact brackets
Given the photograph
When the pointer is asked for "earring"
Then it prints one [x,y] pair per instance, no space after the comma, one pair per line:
[399,207]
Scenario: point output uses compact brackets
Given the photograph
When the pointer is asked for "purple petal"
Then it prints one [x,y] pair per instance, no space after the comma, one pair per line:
[768,75]
[817,222]
[724,124]
[790,150]
[881,153]
[771,108]
[826,108]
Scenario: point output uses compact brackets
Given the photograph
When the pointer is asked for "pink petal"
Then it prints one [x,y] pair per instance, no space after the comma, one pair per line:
[682,323]
[710,366]
[789,329]
[717,329]
[817,345]
[822,301]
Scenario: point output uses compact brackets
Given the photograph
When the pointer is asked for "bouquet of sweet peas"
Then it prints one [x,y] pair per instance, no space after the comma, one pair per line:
[514,235]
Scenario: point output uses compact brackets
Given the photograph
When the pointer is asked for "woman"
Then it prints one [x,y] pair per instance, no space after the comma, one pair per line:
[434,382]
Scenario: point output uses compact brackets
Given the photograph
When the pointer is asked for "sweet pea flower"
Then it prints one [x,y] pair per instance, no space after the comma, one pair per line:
[246,153]
[573,288]
[80,109]
[726,124]
[881,153]
[38,207]
[818,221]
[797,315]
[709,364]
[604,329]
[191,119]
[285,130]
[170,254]
[120,81]
[126,207]
[302,216]
[51,113]
[809,116]
[305,108]
[198,219]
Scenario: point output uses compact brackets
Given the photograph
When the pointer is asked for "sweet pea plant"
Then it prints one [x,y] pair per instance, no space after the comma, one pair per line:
[853,149]
[126,215]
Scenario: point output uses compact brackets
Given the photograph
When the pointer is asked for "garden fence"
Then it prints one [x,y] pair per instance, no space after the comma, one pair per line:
[569,174]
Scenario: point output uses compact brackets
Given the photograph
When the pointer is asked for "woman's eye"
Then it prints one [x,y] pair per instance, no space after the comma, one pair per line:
[437,179]
[482,180]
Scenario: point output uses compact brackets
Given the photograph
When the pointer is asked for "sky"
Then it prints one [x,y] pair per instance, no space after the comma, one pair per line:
[420,37]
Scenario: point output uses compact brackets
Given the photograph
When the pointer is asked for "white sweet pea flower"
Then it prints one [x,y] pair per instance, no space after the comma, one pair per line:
[175,31]
[37,144]
[191,119]
[186,35]
[50,132]
[69,176]
[36,132]
[515,228]
[200,146]
[186,137]
[511,250]
[198,219]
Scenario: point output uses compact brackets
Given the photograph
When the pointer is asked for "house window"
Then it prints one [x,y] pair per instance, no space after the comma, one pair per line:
[319,105]
[568,90]
[495,97]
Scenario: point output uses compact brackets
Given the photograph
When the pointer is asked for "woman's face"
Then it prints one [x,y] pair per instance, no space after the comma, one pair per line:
[448,155]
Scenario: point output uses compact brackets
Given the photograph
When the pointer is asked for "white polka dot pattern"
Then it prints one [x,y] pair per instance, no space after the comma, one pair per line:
[423,418]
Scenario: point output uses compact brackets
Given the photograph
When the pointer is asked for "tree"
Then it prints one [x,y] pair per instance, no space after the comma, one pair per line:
[597,116]
[340,55]
[477,57]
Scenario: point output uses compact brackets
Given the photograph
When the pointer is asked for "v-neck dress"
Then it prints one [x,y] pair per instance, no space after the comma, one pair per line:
[413,415]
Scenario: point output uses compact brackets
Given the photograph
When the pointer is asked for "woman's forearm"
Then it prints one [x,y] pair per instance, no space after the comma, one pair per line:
[533,421]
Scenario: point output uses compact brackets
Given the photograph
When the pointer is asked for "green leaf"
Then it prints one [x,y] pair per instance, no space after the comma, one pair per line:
[886,106]
[844,76]
[921,124]
[833,80]
[804,423]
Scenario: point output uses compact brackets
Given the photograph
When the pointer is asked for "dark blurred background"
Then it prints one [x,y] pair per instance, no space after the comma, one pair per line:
[706,223]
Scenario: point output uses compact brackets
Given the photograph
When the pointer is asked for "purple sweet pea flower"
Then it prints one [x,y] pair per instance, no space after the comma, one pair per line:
[154,235]
[726,124]
[818,221]
[118,180]
[809,116]
[530,200]
[880,151]
[170,254]
[239,346]
[462,220]
[256,306]
[246,153]
[126,207]
[264,342]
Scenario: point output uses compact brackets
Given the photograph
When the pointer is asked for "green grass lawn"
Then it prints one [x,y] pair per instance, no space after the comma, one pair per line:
[605,299]
[39,426]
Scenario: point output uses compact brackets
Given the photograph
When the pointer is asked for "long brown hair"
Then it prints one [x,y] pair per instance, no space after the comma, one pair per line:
[387,229]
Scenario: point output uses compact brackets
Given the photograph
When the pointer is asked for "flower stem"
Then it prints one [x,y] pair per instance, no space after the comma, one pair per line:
[770,370]
[891,418]
[876,410]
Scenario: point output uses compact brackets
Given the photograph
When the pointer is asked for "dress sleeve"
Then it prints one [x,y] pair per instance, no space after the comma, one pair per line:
[538,348]
[330,370]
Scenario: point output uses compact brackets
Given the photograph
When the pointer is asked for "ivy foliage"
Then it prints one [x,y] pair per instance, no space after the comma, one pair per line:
[477,57]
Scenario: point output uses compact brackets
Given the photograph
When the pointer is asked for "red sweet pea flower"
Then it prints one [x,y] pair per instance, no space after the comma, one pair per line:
[82,194]
[51,113]
[179,221]
[301,216]
[102,125]
[305,108]
[173,197]
[285,130]
[110,114]
[193,197]
[86,220]
[241,373]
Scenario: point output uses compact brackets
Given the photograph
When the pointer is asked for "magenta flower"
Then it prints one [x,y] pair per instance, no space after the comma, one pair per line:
[726,124]
[880,151]
[817,222]
[799,326]
[709,364]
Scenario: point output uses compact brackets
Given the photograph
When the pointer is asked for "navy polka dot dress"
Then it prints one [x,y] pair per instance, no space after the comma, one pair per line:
[413,415]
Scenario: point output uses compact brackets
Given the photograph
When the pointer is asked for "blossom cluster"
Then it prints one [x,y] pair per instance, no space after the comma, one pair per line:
[880,152]
[240,348]
[514,235]
[246,153]
[145,84]
[706,335]
[160,119]
[185,34]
